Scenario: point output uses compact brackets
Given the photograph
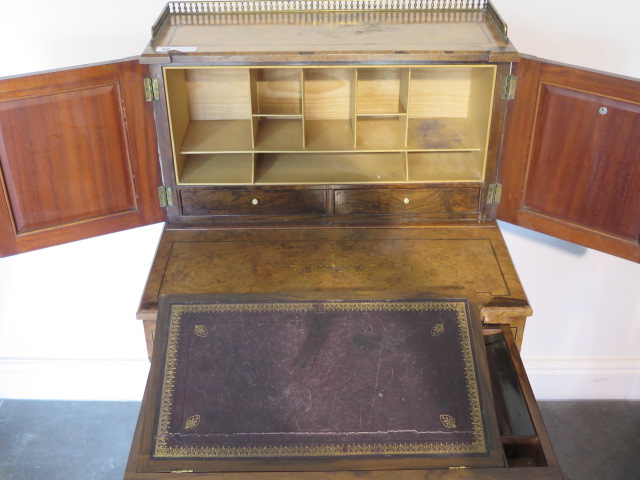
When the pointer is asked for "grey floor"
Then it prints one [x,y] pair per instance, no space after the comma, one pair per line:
[54,440]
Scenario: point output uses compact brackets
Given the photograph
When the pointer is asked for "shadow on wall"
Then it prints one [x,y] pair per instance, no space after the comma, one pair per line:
[544,240]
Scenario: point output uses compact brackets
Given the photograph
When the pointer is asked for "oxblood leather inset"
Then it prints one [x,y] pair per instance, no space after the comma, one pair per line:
[319,379]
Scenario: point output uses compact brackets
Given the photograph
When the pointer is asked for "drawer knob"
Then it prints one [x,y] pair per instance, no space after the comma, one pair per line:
[406,200]
[255,201]
[603,110]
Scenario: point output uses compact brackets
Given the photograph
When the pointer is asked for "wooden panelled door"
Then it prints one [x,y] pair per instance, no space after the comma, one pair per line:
[78,153]
[570,164]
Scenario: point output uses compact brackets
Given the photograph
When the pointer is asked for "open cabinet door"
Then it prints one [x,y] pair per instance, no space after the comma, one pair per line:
[78,154]
[570,164]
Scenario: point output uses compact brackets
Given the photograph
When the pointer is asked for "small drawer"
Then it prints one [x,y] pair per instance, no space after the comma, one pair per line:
[409,201]
[198,202]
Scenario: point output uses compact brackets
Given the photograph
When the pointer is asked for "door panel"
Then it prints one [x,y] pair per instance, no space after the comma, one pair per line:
[570,165]
[78,154]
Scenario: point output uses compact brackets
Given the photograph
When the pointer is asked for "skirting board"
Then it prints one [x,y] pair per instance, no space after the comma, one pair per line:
[590,379]
[73,379]
[124,380]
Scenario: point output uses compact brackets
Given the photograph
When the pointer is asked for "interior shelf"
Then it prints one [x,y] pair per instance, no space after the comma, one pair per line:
[441,134]
[373,124]
[220,168]
[275,134]
[335,168]
[381,132]
[323,135]
[445,166]
[210,136]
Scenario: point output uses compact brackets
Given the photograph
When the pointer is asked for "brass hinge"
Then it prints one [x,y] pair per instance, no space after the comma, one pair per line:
[165,196]
[181,471]
[494,194]
[151,89]
[509,87]
[461,467]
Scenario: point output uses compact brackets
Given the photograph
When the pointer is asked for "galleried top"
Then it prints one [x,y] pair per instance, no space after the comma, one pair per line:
[309,31]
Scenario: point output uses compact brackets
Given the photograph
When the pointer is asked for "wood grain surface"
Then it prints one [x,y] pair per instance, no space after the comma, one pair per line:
[279,259]
[72,166]
[571,161]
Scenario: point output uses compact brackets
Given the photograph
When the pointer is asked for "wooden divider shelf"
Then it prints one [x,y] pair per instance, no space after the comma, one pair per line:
[219,168]
[278,134]
[381,132]
[333,125]
[276,91]
[330,168]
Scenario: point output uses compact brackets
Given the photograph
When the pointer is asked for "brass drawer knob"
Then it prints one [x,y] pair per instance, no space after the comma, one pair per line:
[406,200]
[255,201]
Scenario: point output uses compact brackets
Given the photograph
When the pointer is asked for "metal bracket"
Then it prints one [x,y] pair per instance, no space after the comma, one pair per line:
[151,90]
[165,196]
[494,194]
[509,87]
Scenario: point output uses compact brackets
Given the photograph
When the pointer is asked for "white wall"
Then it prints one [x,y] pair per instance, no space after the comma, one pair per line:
[583,340]
[67,313]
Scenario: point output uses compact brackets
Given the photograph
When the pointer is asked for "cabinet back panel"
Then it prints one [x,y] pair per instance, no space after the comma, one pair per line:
[439,92]
[382,90]
[278,92]
[328,93]
[219,94]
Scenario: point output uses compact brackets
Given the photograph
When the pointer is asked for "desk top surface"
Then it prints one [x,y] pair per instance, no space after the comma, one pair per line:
[330,31]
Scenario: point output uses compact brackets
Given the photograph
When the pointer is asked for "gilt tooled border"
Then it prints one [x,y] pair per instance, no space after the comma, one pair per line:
[477,446]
